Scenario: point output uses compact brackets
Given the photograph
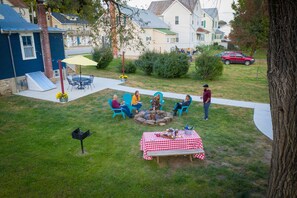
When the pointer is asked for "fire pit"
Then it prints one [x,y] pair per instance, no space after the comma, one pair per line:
[158,117]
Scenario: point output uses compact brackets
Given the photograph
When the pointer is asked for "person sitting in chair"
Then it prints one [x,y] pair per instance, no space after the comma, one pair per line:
[179,105]
[156,103]
[136,101]
[116,105]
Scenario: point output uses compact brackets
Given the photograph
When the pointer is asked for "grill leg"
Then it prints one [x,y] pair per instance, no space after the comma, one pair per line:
[158,161]
[82,146]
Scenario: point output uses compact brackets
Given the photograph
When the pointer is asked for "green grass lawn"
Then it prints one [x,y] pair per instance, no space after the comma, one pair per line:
[40,159]
[239,82]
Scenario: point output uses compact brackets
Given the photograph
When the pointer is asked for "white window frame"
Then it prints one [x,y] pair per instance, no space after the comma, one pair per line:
[33,45]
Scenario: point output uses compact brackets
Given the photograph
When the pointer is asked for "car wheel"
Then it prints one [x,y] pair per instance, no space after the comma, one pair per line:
[247,63]
[227,62]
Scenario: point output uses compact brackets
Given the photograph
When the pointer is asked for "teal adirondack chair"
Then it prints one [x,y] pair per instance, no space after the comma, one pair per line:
[162,102]
[127,97]
[116,111]
[184,108]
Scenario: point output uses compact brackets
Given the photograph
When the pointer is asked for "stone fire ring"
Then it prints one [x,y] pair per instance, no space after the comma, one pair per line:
[161,117]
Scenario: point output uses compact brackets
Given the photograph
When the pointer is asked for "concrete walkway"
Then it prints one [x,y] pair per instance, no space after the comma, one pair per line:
[262,115]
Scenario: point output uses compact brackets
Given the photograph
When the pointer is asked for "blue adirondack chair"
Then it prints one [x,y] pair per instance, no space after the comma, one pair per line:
[127,97]
[116,111]
[162,102]
[184,108]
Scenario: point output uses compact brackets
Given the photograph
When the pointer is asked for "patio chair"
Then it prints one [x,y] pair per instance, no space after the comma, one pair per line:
[92,80]
[162,102]
[184,108]
[87,84]
[127,97]
[72,83]
[116,111]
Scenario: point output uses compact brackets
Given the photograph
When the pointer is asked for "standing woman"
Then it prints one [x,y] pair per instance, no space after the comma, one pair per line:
[206,100]
[136,101]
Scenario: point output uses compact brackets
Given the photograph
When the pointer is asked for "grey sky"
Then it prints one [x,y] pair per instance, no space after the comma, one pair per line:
[224,6]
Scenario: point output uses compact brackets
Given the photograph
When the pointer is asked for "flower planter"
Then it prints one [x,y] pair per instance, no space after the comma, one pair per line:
[63,100]
[123,79]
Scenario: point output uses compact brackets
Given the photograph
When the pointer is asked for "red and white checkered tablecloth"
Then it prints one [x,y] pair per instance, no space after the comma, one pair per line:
[150,142]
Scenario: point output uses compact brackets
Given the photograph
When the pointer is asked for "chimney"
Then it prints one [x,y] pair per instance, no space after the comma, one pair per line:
[45,44]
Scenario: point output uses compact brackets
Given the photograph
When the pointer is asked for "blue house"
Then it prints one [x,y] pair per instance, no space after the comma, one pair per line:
[20,47]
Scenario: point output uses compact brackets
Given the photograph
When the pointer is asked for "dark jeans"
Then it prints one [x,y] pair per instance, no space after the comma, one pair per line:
[137,106]
[177,106]
[126,110]
[206,107]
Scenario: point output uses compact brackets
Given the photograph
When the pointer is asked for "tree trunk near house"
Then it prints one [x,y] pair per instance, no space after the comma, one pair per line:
[113,24]
[282,76]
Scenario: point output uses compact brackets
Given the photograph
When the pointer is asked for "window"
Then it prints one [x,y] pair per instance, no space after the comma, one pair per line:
[203,24]
[176,20]
[27,46]
[177,39]
[56,26]
[172,40]
[167,40]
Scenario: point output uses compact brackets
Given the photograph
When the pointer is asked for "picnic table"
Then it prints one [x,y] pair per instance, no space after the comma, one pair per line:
[151,145]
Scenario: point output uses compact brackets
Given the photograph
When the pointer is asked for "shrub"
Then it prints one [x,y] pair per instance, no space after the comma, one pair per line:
[146,62]
[171,65]
[129,67]
[103,56]
[208,67]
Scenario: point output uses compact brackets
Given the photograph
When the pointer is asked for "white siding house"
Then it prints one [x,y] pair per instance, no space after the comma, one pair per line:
[210,22]
[20,7]
[183,17]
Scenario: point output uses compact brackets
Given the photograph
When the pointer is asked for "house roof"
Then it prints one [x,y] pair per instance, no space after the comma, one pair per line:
[144,18]
[189,4]
[212,12]
[11,21]
[202,30]
[18,3]
[64,18]
[158,7]
[165,31]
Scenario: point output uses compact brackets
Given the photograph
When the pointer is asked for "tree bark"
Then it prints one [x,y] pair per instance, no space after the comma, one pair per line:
[113,24]
[282,76]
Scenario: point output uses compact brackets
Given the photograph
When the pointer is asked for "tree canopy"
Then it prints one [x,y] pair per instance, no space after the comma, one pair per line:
[250,25]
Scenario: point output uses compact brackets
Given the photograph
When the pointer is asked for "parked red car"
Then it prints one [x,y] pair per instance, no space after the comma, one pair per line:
[237,58]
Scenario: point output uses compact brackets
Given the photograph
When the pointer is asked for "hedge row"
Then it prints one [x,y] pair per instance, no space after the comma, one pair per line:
[166,65]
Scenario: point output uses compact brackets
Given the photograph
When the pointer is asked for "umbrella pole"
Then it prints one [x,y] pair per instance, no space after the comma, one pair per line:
[61,76]
[80,74]
[80,83]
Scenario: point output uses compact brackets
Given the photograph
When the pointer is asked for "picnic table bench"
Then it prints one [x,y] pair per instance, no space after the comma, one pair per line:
[189,152]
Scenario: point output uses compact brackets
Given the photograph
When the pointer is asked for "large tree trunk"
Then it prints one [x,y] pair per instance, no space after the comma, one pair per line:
[113,24]
[282,76]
